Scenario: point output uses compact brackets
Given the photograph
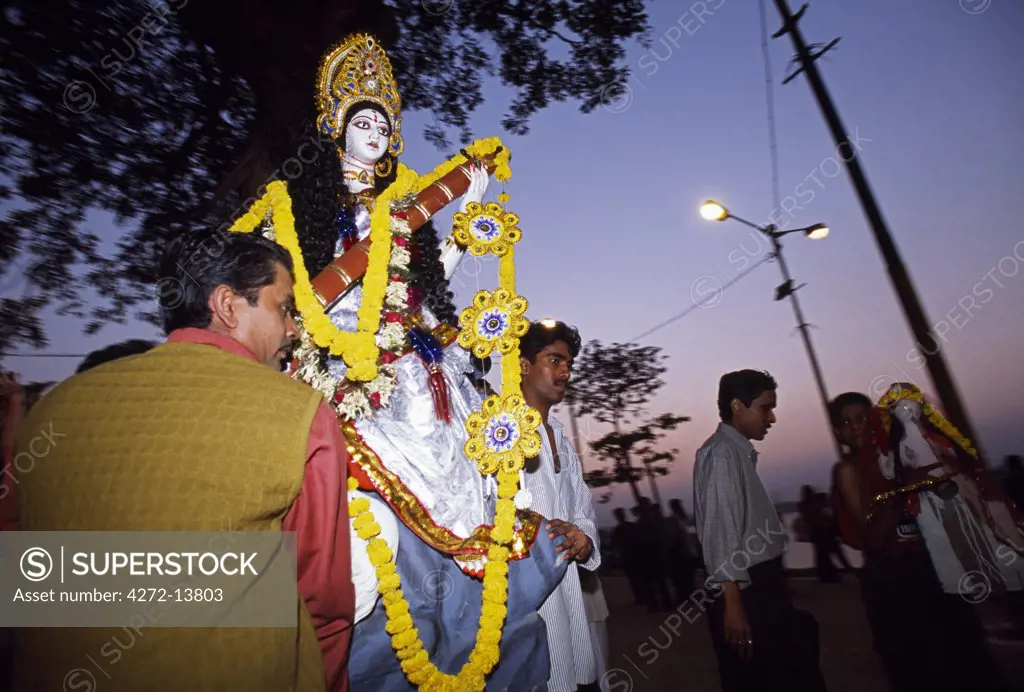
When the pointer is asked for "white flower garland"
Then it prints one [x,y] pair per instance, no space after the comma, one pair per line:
[391,337]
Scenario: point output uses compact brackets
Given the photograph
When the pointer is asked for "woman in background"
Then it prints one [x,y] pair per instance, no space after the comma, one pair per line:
[927,640]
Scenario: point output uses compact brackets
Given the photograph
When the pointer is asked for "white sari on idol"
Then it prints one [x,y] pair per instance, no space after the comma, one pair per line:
[430,480]
[969,550]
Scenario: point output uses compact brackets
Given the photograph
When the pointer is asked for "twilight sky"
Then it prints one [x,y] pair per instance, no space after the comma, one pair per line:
[614,245]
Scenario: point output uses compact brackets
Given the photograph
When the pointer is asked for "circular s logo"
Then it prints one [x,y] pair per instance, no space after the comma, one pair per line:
[438,585]
[79,679]
[880,386]
[617,680]
[616,98]
[975,6]
[79,97]
[974,587]
[36,564]
[437,7]
[706,291]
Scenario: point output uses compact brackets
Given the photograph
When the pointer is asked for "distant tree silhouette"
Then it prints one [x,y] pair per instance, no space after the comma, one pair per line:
[614,384]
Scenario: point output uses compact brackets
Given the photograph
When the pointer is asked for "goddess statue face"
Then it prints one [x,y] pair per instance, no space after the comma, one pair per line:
[908,411]
[366,136]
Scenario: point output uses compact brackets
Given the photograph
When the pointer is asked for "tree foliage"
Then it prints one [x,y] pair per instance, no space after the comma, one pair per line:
[614,382]
[144,110]
[642,444]
[614,385]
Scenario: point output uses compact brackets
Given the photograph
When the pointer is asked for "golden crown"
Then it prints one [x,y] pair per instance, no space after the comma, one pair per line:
[357,70]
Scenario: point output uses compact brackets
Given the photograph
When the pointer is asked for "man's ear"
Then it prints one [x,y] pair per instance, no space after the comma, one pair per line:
[735,405]
[524,365]
[224,305]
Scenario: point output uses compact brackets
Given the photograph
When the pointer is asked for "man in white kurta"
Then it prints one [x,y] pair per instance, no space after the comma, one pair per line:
[554,487]
[597,616]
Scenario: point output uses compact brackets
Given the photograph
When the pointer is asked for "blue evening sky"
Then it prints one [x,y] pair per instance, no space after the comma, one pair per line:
[613,243]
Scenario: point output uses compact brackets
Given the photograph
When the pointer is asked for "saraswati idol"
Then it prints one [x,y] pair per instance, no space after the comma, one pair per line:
[448,573]
[973,532]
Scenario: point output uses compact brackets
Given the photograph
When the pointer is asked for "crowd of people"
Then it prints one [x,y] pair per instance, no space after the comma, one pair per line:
[924,628]
[316,378]
[816,524]
[235,328]
[657,553]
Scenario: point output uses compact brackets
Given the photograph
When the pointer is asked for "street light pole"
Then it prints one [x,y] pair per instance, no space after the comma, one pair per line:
[804,328]
[927,342]
[788,289]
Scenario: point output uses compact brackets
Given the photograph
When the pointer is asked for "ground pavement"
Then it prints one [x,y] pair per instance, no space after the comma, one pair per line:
[656,651]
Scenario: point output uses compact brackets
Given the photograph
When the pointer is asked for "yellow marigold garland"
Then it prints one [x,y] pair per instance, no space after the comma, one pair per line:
[314,320]
[360,353]
[405,638]
[359,349]
[510,369]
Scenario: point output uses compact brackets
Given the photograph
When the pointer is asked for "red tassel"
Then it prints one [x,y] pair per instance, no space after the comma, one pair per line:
[439,390]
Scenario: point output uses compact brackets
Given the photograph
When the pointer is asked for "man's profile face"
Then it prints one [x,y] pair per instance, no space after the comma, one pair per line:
[755,420]
[268,328]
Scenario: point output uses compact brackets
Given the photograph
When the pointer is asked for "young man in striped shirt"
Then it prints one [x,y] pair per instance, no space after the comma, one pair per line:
[555,488]
[762,642]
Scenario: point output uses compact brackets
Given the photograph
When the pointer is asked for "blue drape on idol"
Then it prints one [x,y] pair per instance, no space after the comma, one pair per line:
[445,604]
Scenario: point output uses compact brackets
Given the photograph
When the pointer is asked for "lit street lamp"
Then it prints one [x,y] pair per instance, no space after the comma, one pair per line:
[713,211]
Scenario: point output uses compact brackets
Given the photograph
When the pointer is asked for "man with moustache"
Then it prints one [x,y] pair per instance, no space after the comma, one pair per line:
[555,488]
[202,433]
[760,639]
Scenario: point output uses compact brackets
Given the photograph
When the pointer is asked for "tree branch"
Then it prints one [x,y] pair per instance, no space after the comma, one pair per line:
[554,33]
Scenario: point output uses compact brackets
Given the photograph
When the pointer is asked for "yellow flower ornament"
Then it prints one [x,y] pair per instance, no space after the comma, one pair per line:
[493,321]
[486,228]
[897,392]
[503,434]
[506,430]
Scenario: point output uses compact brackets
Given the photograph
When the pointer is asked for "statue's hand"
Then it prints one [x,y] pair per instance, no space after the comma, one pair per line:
[477,186]
[451,254]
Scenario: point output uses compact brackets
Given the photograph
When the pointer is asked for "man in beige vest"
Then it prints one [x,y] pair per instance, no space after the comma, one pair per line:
[201,433]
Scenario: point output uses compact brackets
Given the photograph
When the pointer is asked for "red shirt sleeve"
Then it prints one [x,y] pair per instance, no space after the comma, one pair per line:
[9,515]
[8,496]
[320,519]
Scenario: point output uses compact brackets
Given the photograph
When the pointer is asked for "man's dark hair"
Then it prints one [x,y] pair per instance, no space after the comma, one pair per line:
[114,352]
[540,335]
[836,406]
[196,263]
[745,385]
